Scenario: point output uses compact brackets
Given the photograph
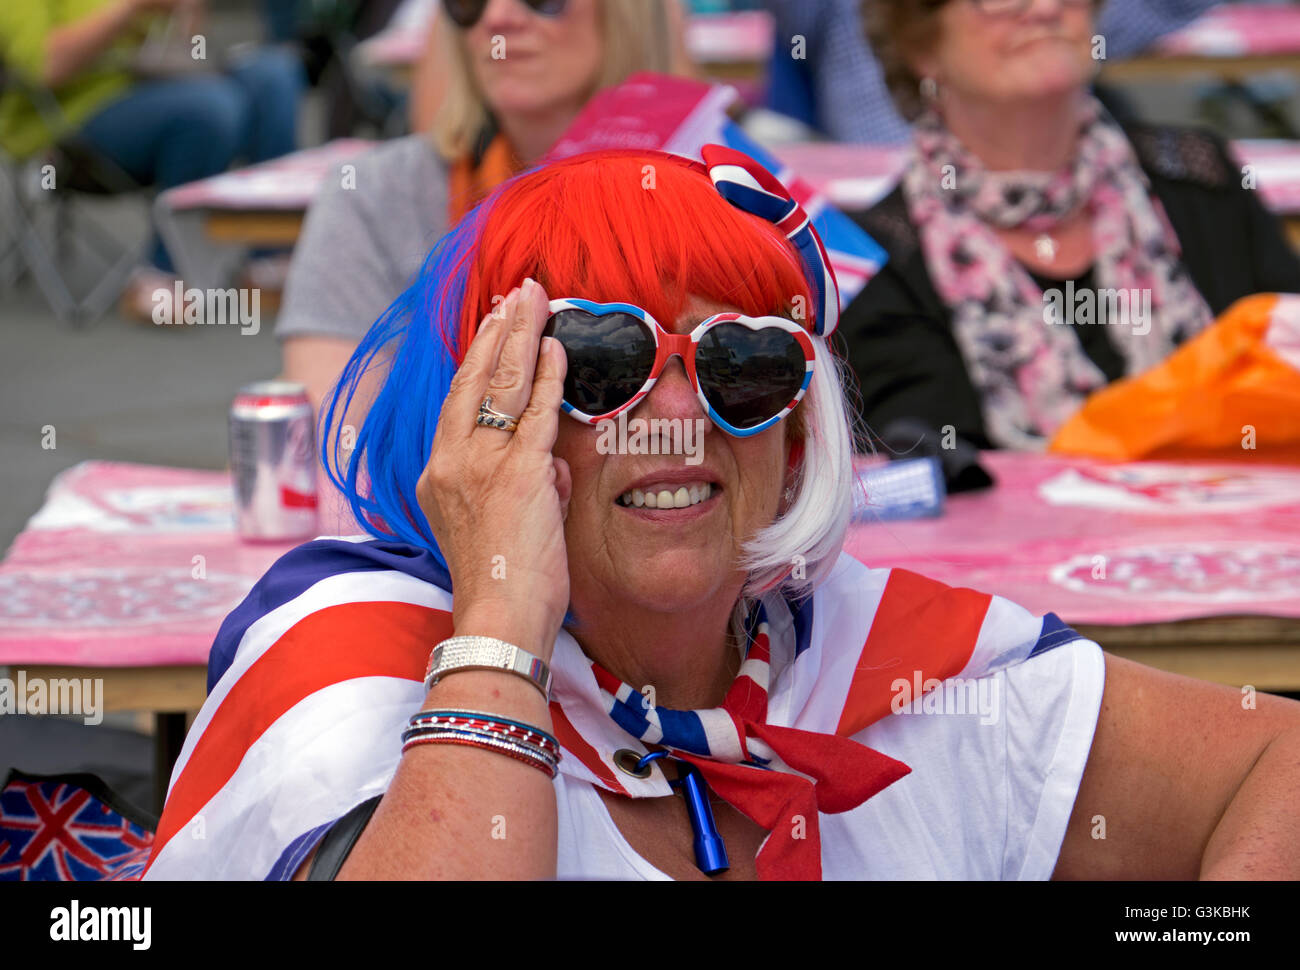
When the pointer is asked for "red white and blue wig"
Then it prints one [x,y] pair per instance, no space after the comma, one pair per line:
[637,227]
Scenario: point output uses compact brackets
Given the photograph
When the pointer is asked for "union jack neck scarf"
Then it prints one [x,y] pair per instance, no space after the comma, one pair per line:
[779,777]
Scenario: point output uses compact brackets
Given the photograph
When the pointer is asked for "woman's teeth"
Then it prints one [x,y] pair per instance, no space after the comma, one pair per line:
[666,498]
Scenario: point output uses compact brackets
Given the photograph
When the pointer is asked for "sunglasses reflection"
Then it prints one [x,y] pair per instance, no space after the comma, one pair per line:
[747,372]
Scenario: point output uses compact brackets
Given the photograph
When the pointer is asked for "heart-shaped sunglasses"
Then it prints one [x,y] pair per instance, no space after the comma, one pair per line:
[748,372]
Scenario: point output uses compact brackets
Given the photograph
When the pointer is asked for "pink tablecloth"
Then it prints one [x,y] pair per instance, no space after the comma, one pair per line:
[126,565]
[1114,545]
[742,37]
[137,565]
[288,183]
[1238,30]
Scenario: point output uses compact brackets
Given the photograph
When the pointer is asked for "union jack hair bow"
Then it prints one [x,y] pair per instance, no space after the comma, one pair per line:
[751,188]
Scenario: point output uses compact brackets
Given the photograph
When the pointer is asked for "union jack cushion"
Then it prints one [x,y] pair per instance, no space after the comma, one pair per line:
[70,827]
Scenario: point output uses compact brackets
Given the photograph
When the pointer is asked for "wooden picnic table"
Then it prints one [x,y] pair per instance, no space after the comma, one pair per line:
[208,225]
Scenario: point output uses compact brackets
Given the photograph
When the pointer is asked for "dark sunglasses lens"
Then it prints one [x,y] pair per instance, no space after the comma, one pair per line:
[748,375]
[465,13]
[610,358]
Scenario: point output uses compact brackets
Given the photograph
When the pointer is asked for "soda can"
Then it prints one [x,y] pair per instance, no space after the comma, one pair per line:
[273,461]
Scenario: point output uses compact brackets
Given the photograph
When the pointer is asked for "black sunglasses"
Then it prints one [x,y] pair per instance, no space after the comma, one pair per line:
[466,13]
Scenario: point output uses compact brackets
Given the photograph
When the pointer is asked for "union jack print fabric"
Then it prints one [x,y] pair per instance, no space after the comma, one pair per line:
[314,676]
[69,828]
[747,185]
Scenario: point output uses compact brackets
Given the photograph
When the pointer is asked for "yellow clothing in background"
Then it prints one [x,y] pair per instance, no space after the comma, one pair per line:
[25,27]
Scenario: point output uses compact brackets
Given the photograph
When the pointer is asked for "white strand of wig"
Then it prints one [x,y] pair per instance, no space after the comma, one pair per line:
[800,548]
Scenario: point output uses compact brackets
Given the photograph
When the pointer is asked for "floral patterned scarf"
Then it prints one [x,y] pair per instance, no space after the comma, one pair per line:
[1030,372]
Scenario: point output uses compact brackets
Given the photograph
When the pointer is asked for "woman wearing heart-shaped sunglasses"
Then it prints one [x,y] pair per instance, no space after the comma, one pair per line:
[526,658]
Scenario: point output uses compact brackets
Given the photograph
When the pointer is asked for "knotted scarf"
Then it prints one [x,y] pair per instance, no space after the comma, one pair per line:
[779,777]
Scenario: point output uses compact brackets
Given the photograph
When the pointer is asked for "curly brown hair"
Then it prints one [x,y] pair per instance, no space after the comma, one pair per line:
[898,30]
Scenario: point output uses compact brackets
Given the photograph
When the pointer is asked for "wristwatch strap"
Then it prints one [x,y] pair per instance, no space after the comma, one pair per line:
[486,653]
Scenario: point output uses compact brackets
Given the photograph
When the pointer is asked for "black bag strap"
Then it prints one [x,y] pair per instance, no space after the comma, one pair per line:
[339,840]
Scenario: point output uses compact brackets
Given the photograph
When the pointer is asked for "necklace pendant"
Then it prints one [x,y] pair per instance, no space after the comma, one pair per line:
[1045,246]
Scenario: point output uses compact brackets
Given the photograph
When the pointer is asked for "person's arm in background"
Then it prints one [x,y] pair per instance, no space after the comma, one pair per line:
[341,279]
[71,48]
[851,101]
[315,362]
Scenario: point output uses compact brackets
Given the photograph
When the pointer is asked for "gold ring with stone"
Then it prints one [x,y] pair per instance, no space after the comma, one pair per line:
[495,419]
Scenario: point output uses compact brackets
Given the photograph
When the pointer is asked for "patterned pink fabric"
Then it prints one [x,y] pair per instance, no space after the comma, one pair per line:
[127,565]
[1031,375]
[1112,544]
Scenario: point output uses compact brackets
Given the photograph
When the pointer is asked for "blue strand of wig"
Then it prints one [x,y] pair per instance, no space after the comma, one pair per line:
[415,338]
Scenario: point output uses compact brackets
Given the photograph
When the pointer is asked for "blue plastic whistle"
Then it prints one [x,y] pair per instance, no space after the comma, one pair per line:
[710,850]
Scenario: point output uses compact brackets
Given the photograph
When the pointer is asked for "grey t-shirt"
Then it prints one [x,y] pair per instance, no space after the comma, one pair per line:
[361,247]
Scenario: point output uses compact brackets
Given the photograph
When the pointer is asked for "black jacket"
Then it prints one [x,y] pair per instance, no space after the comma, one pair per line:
[897,334]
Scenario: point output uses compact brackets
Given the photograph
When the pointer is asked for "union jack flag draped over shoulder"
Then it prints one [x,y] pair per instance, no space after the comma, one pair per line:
[313,677]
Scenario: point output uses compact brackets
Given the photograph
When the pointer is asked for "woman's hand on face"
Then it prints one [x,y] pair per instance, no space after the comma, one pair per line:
[496,501]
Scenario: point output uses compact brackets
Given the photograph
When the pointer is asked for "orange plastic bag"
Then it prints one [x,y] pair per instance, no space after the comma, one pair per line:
[1232,391]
